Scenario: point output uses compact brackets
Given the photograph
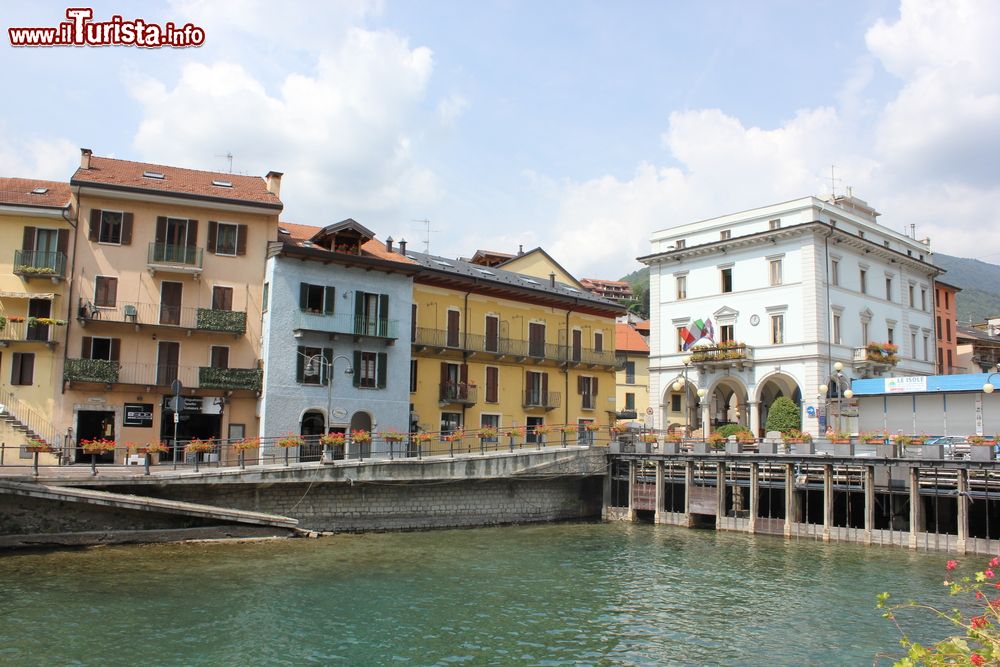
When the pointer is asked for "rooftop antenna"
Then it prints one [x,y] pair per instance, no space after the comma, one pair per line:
[833,181]
[427,234]
[228,156]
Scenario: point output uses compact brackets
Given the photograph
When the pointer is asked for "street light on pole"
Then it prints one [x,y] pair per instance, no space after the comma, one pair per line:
[839,380]
[678,386]
[319,362]
[702,392]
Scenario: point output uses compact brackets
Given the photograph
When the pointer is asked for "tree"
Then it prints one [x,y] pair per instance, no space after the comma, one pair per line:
[783,416]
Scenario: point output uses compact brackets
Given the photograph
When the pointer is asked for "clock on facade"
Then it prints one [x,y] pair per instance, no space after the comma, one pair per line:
[754,320]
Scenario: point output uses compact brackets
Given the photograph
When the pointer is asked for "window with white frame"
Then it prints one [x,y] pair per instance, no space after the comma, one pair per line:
[681,287]
[774,224]
[836,329]
[774,272]
[912,301]
[725,235]
[777,329]
[834,272]
[726,279]
[863,280]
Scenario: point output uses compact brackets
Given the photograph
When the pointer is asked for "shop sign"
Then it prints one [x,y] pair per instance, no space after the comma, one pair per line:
[904,385]
[138,414]
[189,405]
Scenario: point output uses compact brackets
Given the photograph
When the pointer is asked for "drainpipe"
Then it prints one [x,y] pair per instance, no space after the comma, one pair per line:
[70,282]
[465,342]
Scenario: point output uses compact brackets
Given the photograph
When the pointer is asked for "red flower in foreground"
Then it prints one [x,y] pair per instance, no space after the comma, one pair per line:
[988,574]
[995,561]
[977,659]
[951,565]
[979,622]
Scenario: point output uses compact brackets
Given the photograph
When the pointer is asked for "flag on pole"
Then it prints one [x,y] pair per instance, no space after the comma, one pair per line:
[696,331]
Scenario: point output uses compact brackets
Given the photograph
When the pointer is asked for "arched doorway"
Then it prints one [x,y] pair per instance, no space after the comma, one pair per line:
[679,409]
[769,389]
[313,426]
[362,421]
[726,403]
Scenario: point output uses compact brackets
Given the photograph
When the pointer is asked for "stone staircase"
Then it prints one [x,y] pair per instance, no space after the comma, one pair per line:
[25,420]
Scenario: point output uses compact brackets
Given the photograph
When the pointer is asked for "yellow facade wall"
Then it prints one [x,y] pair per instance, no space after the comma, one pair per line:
[34,403]
[432,305]
[639,387]
[537,264]
[140,287]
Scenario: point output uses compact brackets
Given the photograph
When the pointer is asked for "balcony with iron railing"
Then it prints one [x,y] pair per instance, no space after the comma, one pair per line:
[724,354]
[40,264]
[102,371]
[151,314]
[174,258]
[29,330]
[549,400]
[344,323]
[457,393]
[442,340]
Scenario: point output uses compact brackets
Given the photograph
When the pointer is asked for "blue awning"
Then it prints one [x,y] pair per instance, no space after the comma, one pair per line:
[921,384]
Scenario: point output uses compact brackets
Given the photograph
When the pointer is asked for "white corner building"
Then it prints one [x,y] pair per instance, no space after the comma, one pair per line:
[772,302]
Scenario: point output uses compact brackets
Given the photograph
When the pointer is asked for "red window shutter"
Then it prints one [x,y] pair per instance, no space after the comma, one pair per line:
[241,239]
[28,242]
[213,229]
[86,345]
[95,224]
[127,219]
[116,349]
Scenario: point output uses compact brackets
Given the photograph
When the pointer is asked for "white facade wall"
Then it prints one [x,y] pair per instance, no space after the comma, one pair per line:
[285,400]
[805,297]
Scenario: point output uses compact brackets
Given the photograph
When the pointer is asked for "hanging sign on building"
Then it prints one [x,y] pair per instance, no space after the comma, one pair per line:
[138,414]
[905,384]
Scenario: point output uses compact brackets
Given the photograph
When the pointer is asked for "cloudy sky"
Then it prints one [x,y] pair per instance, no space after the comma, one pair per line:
[579,126]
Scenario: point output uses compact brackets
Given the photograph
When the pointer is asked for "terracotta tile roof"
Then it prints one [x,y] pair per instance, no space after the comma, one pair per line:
[374,248]
[112,173]
[18,192]
[628,339]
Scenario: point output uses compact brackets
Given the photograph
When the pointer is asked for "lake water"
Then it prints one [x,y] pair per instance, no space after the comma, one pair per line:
[564,594]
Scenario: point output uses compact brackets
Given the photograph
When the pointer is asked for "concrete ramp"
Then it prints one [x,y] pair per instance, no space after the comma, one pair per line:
[122,501]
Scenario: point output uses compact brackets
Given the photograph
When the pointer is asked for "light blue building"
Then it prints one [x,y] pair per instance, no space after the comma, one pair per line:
[336,301]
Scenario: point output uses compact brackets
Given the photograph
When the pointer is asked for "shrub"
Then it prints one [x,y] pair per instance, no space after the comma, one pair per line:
[783,416]
[727,430]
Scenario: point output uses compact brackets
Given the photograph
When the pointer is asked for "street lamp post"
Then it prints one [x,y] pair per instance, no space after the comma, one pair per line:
[678,385]
[323,363]
[839,379]
[702,392]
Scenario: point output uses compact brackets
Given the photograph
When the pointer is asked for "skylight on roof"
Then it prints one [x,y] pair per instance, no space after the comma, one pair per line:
[39,191]
[153,174]
[282,230]
[438,261]
[222,184]
[530,281]
[485,272]
[570,289]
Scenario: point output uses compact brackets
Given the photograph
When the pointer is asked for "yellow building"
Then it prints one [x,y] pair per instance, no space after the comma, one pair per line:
[632,393]
[35,230]
[167,285]
[497,348]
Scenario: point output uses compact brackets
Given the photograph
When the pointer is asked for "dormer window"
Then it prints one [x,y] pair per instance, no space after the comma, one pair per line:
[39,191]
[347,237]
[153,174]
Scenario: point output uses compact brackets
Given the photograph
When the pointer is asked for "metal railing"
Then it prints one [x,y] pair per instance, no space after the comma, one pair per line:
[39,264]
[24,418]
[153,314]
[161,375]
[458,392]
[345,323]
[166,254]
[499,345]
[28,331]
[541,399]
[722,352]
[292,449]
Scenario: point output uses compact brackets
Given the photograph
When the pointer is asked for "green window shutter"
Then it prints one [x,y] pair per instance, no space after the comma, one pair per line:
[383,314]
[300,362]
[329,299]
[303,295]
[381,366]
[357,368]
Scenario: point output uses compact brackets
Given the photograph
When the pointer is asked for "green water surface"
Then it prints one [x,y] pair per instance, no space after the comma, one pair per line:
[566,594]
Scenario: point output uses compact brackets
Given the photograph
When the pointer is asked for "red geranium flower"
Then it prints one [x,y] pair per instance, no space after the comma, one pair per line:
[977,659]
[951,565]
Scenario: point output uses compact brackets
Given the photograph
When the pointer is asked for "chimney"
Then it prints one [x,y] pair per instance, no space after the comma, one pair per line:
[85,154]
[388,244]
[273,179]
[520,249]
[402,247]
[552,280]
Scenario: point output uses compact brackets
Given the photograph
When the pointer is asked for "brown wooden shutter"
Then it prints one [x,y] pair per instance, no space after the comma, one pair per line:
[86,347]
[593,385]
[492,382]
[116,349]
[95,224]
[444,372]
[62,242]
[545,387]
[241,240]
[15,369]
[28,241]
[28,368]
[598,342]
[161,229]
[213,230]
[464,374]
[127,219]
[192,237]
[579,385]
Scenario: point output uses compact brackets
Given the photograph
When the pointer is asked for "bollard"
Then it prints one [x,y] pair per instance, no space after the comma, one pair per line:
[93,464]
[145,462]
[243,459]
[35,464]
[197,460]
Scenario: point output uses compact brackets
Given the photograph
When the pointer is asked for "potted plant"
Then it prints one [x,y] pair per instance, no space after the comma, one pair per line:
[716,441]
[671,442]
[363,439]
[842,444]
[802,442]
[487,433]
[334,443]
[97,446]
[288,441]
[983,450]
[243,446]
[35,446]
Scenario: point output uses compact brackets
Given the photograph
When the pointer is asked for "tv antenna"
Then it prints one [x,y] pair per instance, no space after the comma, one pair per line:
[833,181]
[228,156]
[427,233]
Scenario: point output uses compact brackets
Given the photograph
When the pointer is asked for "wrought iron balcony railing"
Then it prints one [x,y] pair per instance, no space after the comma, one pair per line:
[502,346]
[542,399]
[346,323]
[165,255]
[462,393]
[40,264]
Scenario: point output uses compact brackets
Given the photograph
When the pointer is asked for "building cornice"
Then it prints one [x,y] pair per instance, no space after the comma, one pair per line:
[174,198]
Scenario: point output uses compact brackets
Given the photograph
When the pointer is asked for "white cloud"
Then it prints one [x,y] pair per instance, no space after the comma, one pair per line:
[33,157]
[929,157]
[451,107]
[342,134]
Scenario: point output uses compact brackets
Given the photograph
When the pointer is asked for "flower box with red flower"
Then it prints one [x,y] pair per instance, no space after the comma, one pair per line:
[592,426]
[455,436]
[333,439]
[423,437]
[246,444]
[393,436]
[487,433]
[361,437]
[148,448]
[38,446]
[648,438]
[199,446]
[97,446]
